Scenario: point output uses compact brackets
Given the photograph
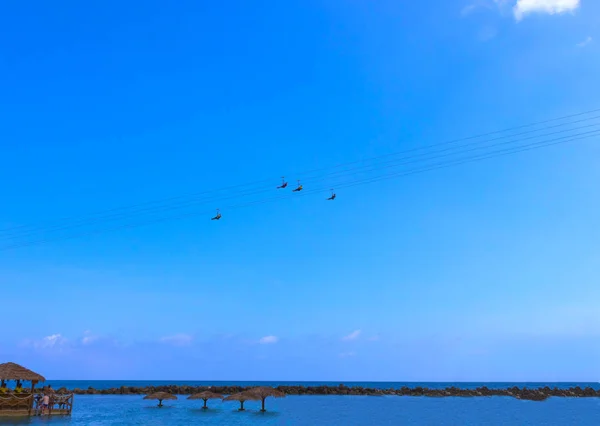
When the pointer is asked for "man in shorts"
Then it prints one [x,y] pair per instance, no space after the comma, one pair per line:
[46,404]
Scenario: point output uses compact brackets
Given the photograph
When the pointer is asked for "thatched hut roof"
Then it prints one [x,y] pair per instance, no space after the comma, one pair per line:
[12,371]
[161,396]
[263,392]
[206,395]
[242,396]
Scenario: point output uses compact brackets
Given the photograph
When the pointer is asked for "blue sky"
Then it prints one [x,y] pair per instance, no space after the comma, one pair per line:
[487,271]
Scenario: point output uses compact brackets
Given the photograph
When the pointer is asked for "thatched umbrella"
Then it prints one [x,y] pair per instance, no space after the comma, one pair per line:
[242,397]
[205,396]
[160,396]
[263,392]
[12,371]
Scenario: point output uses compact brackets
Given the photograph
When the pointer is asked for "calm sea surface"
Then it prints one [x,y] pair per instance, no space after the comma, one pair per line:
[103,410]
[106,384]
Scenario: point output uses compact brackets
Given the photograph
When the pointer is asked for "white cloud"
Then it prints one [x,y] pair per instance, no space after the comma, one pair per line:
[52,340]
[347,354]
[268,340]
[88,338]
[526,7]
[48,342]
[352,336]
[374,338]
[179,339]
[585,42]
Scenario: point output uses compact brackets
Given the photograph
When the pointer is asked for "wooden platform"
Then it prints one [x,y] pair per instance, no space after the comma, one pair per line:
[16,404]
[27,405]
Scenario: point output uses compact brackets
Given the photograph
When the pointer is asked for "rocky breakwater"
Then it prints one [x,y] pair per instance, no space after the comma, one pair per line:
[537,394]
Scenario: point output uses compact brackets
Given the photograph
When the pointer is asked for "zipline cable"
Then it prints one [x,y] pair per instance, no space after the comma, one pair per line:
[70,219]
[367,168]
[503,152]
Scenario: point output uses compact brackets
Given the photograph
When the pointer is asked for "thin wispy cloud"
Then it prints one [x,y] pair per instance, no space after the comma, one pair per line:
[179,339]
[477,5]
[522,8]
[347,354]
[57,342]
[487,33]
[551,7]
[268,340]
[585,42]
[468,9]
[52,341]
[352,336]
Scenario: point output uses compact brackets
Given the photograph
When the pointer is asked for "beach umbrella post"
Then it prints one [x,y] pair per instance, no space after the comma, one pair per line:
[242,397]
[263,392]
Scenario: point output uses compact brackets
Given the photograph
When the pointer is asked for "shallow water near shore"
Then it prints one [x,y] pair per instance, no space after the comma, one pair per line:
[100,410]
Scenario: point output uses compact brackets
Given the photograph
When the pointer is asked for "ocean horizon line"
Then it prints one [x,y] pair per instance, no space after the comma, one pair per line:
[319,381]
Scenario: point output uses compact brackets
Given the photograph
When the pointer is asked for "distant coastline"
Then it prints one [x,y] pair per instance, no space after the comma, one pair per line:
[519,392]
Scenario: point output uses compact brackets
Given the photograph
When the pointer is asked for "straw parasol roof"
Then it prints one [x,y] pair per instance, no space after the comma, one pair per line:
[266,391]
[161,396]
[263,392]
[242,397]
[12,371]
[206,395]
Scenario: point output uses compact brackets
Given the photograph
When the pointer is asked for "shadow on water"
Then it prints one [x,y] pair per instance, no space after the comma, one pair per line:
[267,414]
[15,421]
[164,407]
[206,412]
[35,420]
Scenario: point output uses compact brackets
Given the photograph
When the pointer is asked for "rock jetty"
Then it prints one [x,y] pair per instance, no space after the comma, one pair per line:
[531,394]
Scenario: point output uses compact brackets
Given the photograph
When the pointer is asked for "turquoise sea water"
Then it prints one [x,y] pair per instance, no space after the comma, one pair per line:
[103,410]
[106,384]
